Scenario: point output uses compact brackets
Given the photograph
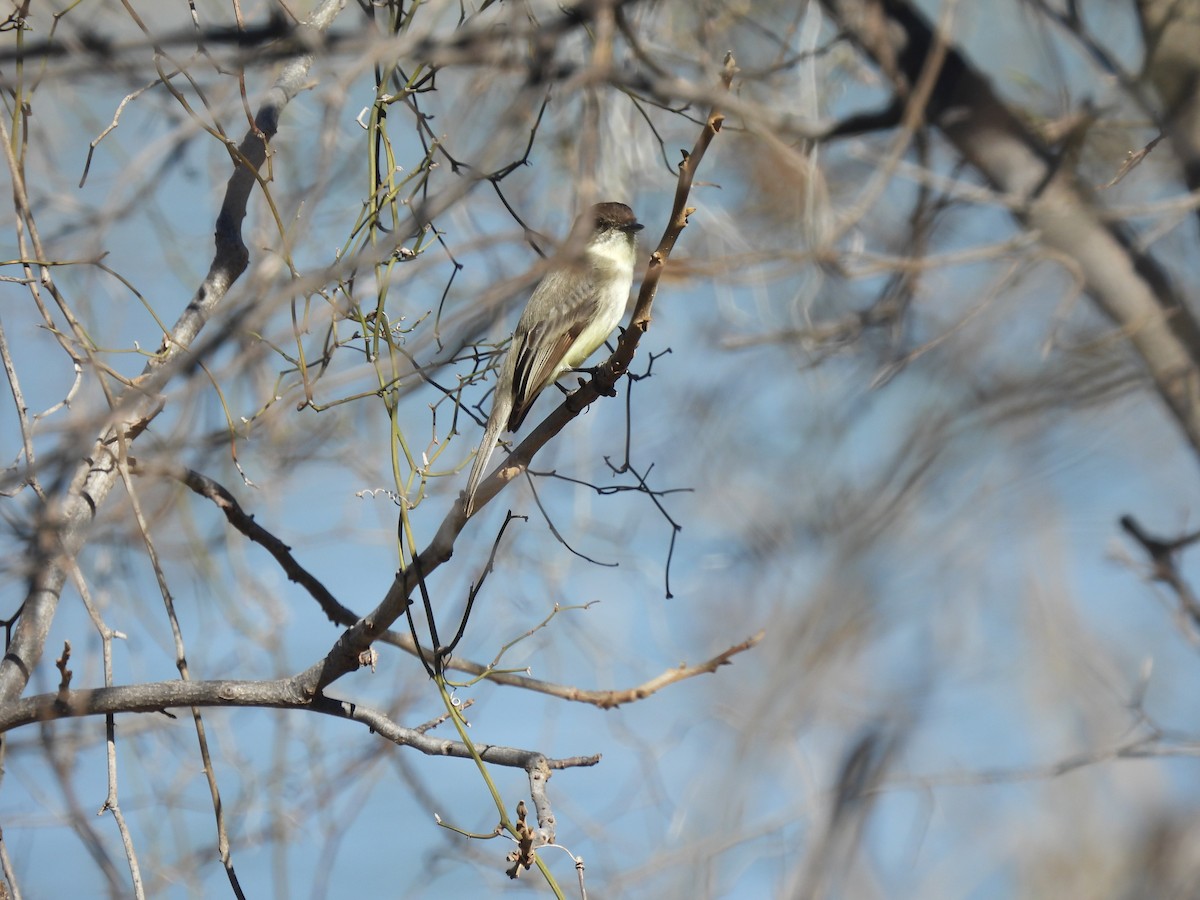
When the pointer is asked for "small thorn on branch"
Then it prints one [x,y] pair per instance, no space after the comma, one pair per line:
[64,683]
[522,857]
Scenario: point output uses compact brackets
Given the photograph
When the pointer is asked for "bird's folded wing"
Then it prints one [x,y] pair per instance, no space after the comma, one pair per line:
[540,350]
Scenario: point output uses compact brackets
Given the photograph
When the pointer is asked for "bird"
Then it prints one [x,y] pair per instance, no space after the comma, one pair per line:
[570,314]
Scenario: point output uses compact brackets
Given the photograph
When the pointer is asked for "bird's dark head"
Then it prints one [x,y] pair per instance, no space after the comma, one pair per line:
[614,216]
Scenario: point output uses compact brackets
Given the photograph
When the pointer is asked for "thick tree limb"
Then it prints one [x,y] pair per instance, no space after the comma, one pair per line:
[157,697]
[1127,285]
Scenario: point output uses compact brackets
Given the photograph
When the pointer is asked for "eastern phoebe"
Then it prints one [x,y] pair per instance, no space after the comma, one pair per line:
[572,312]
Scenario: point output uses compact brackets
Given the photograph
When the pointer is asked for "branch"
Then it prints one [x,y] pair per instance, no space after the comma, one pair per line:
[245,523]
[1164,557]
[611,699]
[157,697]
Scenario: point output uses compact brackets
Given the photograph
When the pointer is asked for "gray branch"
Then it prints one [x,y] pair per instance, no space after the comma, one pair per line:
[286,693]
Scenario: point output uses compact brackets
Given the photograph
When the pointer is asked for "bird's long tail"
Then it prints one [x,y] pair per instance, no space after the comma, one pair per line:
[495,424]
